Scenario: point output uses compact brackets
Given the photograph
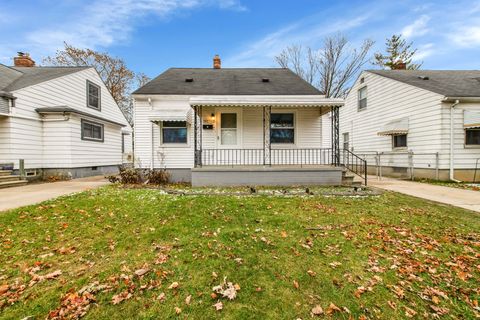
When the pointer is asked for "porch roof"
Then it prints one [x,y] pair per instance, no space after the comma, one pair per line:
[266,101]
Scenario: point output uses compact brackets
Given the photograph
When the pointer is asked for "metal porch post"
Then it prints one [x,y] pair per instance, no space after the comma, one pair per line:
[267,111]
[195,155]
[335,136]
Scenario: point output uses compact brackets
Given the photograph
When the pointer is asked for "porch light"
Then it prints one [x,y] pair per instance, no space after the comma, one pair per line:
[212,116]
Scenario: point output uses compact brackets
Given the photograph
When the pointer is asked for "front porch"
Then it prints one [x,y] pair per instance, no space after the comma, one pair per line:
[265,141]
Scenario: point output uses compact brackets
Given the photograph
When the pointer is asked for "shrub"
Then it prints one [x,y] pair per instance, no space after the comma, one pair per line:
[130,176]
[113,179]
[158,176]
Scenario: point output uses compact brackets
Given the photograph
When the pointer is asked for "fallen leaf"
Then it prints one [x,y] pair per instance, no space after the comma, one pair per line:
[188,299]
[178,310]
[311,273]
[141,272]
[410,313]
[295,284]
[332,308]
[174,285]
[218,306]
[317,310]
[161,297]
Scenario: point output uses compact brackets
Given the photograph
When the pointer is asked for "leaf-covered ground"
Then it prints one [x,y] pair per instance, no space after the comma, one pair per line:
[117,253]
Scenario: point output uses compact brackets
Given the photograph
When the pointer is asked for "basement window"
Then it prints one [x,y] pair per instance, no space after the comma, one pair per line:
[399,141]
[362,98]
[472,137]
[92,131]
[93,95]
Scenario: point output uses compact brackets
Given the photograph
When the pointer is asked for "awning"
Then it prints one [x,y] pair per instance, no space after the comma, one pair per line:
[471,119]
[395,127]
[172,115]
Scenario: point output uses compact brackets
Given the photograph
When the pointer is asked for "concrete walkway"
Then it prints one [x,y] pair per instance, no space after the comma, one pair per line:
[15,197]
[466,199]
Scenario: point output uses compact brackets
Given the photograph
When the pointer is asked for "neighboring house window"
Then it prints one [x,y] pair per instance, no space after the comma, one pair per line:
[123,142]
[362,98]
[399,141]
[174,132]
[92,131]
[93,95]
[346,141]
[472,137]
[282,128]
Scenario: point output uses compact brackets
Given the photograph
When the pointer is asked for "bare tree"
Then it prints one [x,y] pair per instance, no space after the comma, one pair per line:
[331,68]
[117,77]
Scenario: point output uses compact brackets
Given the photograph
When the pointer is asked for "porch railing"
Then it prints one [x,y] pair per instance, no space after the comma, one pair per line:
[354,163]
[235,157]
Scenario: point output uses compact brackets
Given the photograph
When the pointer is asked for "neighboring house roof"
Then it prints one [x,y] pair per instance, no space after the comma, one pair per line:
[228,81]
[14,78]
[450,83]
[65,109]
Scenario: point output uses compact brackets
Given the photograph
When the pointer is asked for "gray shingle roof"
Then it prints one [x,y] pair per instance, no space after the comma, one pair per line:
[450,83]
[14,78]
[227,81]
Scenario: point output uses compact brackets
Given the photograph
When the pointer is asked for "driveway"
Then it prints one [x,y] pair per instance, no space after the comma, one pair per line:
[466,199]
[15,197]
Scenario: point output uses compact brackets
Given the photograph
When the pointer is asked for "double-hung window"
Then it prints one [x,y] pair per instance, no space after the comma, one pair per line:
[282,128]
[93,95]
[174,132]
[362,98]
[346,141]
[92,131]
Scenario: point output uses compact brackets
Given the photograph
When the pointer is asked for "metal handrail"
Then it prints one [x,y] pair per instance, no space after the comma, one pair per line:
[355,164]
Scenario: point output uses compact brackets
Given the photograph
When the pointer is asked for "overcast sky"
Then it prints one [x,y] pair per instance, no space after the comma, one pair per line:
[153,35]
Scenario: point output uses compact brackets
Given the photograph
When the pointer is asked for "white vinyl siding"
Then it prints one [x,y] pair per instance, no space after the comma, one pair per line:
[307,124]
[58,144]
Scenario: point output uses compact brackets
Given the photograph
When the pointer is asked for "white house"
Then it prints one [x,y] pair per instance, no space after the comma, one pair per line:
[61,121]
[422,123]
[223,126]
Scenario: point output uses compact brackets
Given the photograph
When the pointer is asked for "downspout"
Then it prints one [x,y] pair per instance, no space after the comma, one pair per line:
[452,164]
[151,140]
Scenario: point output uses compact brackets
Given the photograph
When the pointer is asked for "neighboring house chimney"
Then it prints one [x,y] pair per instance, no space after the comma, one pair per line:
[399,65]
[23,60]
[217,63]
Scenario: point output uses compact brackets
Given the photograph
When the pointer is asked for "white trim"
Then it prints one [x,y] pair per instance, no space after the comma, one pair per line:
[218,129]
[295,130]
[265,100]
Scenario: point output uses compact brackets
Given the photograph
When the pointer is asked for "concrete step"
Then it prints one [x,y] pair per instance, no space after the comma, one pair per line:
[9,184]
[9,178]
[5,172]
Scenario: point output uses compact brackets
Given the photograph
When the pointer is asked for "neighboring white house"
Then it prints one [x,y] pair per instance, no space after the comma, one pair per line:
[61,121]
[221,126]
[425,123]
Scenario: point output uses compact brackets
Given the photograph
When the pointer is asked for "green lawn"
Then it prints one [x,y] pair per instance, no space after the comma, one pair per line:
[117,253]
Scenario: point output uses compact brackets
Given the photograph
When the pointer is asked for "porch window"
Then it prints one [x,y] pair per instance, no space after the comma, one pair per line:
[93,95]
[282,128]
[174,132]
[472,137]
[362,98]
[399,141]
[92,131]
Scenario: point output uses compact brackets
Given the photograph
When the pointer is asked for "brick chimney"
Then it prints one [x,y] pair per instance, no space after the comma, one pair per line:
[217,63]
[23,60]
[399,65]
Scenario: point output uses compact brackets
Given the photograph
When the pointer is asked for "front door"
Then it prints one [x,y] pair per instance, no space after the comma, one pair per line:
[228,129]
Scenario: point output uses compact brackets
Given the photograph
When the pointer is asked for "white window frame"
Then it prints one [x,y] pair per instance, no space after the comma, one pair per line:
[359,100]
[295,131]
[403,147]
[174,144]
[347,141]
[468,146]
[92,123]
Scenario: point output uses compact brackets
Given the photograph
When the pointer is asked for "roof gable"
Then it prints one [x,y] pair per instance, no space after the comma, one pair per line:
[450,83]
[228,81]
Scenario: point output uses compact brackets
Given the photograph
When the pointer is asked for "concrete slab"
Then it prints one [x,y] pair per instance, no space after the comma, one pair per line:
[15,197]
[466,199]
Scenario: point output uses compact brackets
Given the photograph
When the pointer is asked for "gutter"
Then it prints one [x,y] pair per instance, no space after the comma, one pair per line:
[65,118]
